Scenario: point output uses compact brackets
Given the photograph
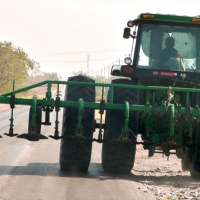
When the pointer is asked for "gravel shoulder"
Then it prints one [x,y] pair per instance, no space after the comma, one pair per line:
[163,177]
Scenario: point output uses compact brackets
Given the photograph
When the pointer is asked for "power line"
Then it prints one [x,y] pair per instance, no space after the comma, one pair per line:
[78,60]
[76,52]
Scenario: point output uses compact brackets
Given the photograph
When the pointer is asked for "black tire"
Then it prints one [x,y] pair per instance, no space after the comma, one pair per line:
[76,154]
[185,160]
[195,151]
[38,119]
[120,156]
[195,164]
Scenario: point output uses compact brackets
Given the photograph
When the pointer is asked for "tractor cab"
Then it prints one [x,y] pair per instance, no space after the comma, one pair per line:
[166,50]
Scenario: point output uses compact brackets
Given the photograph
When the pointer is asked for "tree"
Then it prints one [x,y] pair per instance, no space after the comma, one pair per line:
[50,76]
[78,73]
[42,76]
[14,65]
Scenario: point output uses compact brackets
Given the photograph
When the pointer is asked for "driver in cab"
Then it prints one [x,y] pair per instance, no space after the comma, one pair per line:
[170,58]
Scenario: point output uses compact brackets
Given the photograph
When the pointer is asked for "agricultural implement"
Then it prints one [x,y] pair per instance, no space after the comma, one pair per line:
[156,96]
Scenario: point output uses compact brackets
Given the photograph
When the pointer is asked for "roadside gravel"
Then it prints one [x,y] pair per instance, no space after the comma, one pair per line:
[164,178]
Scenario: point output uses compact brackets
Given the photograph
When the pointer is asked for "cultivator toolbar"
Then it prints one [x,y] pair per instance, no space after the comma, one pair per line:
[150,111]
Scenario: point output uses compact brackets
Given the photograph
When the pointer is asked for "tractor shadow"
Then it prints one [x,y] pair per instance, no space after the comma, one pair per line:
[95,171]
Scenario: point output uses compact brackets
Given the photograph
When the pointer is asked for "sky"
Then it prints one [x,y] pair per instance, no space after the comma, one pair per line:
[78,35]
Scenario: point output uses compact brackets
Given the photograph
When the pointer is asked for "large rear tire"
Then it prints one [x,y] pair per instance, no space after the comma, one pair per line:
[120,156]
[195,161]
[76,154]
[195,164]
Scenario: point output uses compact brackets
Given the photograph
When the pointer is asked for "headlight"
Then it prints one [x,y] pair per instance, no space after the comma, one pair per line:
[130,23]
[128,60]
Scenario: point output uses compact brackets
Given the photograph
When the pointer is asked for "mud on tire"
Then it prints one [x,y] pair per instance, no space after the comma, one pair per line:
[76,154]
[120,156]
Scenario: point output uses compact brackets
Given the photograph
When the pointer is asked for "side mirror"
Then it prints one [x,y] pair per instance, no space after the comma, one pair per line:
[127,32]
[115,70]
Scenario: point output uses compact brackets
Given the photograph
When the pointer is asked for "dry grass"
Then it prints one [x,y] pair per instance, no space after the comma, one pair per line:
[97,115]
[40,92]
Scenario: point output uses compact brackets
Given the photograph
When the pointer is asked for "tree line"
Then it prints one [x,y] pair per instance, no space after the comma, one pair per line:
[15,64]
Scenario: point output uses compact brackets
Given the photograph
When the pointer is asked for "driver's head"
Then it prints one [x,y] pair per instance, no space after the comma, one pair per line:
[170,42]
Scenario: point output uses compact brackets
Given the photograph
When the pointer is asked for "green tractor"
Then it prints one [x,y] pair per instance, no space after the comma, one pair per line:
[157,95]
[166,54]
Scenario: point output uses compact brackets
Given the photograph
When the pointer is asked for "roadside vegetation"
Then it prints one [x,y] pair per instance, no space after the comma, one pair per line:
[18,68]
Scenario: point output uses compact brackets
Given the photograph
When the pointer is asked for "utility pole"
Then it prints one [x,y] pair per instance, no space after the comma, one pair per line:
[118,61]
[88,59]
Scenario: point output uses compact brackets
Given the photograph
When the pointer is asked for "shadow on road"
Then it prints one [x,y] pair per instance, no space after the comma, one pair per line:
[96,172]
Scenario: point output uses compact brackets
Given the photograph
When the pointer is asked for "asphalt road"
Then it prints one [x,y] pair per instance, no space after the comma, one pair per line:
[30,170]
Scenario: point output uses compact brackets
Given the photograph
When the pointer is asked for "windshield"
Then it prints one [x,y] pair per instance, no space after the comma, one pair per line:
[165,47]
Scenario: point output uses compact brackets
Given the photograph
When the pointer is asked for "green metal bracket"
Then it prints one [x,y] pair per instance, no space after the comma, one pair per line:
[33,125]
[12,106]
[187,98]
[32,134]
[101,112]
[79,127]
[171,119]
[48,109]
[178,111]
[48,93]
[125,131]
[57,109]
